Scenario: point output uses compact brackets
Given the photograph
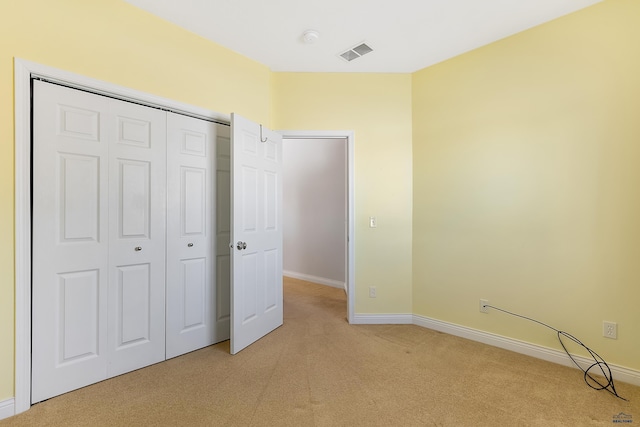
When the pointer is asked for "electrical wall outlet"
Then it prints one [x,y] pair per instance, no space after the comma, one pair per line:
[610,330]
[372,291]
[483,306]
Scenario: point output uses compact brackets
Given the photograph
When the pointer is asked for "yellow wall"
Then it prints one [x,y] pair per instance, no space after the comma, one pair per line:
[378,108]
[512,168]
[527,182]
[112,41]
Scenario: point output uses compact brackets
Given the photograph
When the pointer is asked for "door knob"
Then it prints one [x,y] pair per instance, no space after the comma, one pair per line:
[137,248]
[190,245]
[241,245]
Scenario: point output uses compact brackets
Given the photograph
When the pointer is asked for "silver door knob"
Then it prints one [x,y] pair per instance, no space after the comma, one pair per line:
[190,245]
[137,248]
[241,245]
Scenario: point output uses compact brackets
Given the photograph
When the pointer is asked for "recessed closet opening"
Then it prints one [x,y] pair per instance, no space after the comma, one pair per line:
[126,215]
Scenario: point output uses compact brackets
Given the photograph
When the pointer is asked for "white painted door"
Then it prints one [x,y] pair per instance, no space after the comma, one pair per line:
[137,206]
[193,321]
[70,240]
[256,282]
[98,238]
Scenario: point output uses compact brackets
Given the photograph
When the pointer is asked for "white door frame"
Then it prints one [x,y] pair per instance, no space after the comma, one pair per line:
[351,239]
[23,72]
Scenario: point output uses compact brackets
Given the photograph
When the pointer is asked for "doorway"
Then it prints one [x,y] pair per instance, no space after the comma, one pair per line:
[319,209]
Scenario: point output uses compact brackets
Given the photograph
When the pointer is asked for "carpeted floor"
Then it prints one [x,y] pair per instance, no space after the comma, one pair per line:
[317,370]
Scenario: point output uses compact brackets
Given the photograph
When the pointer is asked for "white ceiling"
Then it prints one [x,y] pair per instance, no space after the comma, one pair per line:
[406,35]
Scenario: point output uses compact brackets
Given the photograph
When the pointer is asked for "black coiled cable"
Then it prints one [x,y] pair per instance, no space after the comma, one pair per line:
[597,360]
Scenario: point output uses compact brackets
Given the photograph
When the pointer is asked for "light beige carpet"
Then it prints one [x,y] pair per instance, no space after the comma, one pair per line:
[317,370]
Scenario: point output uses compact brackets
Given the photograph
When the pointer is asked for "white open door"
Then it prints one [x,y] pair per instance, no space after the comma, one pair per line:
[256,222]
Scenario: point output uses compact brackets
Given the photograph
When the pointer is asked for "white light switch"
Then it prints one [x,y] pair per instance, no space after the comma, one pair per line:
[373,222]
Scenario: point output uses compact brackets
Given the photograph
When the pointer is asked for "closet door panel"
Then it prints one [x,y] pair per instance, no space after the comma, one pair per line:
[191,270]
[133,305]
[137,237]
[70,240]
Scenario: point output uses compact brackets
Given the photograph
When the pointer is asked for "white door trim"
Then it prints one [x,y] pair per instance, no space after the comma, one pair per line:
[351,239]
[23,72]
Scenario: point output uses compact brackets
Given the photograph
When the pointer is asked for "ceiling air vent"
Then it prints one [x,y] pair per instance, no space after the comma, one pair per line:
[356,52]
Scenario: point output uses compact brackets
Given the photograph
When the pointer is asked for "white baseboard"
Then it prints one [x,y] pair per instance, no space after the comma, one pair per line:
[382,319]
[316,279]
[7,408]
[620,373]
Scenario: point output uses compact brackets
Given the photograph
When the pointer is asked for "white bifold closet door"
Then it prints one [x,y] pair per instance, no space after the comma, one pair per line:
[134,210]
[193,295]
[99,203]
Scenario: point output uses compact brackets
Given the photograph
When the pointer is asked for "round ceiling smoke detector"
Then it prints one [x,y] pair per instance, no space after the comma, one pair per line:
[310,36]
